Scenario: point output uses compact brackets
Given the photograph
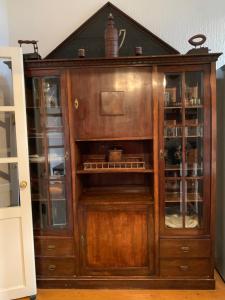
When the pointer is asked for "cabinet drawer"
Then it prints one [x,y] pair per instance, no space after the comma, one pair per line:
[52,267]
[185,248]
[54,246]
[185,267]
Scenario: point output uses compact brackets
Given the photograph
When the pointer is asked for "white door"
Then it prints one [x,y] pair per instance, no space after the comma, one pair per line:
[17,268]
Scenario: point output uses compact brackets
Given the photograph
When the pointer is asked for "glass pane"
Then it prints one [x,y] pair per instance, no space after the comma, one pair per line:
[58,203]
[7,134]
[193,214]
[51,91]
[54,121]
[173,215]
[6,83]
[9,187]
[194,131]
[56,162]
[36,148]
[172,93]
[194,190]
[173,145]
[33,92]
[194,89]
[34,121]
[40,214]
[39,190]
[194,156]
[173,199]
[57,190]
[55,139]
[59,213]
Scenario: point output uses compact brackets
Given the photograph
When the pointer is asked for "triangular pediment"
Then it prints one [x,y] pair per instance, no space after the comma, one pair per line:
[90,36]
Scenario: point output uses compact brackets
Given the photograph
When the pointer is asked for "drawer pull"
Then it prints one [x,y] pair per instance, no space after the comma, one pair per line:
[51,247]
[185,248]
[184,268]
[52,267]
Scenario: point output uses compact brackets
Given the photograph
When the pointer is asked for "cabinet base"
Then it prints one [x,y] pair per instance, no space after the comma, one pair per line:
[146,283]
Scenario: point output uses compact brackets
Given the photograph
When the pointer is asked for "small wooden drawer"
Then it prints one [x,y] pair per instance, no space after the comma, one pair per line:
[185,248]
[185,267]
[54,267]
[54,246]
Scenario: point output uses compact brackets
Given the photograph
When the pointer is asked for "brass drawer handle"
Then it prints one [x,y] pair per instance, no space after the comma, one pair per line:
[184,268]
[185,248]
[52,267]
[51,247]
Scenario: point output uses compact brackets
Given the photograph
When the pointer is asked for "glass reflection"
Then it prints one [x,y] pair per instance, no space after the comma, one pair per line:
[9,187]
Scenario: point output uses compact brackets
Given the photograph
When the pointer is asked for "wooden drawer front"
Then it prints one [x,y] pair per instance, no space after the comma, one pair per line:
[54,247]
[186,267]
[52,267]
[185,248]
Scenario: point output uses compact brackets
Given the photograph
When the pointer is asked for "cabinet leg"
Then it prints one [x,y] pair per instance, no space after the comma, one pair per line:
[33,297]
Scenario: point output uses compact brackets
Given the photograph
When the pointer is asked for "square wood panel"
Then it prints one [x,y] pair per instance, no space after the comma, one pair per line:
[112,103]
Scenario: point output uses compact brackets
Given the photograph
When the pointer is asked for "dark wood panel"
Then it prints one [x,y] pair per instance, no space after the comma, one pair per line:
[117,240]
[54,246]
[185,248]
[54,267]
[129,115]
[129,283]
[185,267]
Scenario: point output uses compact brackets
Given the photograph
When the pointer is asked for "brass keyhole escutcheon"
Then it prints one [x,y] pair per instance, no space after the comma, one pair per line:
[23,184]
[76,103]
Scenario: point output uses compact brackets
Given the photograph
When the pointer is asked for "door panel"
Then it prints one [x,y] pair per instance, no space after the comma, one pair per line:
[117,240]
[112,102]
[184,150]
[17,271]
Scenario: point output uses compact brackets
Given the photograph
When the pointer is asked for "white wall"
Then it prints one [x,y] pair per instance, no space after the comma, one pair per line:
[4,32]
[175,21]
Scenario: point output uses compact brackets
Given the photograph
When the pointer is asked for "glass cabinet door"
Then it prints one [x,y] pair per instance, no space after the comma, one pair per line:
[47,153]
[184,191]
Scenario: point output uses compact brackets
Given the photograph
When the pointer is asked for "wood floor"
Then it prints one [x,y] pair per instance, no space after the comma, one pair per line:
[218,294]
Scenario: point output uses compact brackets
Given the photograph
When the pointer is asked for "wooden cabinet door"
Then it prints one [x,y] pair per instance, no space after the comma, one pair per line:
[112,102]
[185,150]
[116,240]
[49,153]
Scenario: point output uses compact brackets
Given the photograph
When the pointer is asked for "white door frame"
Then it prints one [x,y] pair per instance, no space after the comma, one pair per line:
[21,215]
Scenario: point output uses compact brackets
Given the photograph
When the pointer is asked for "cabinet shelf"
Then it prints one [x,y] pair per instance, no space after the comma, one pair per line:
[185,177]
[144,138]
[105,197]
[177,197]
[114,170]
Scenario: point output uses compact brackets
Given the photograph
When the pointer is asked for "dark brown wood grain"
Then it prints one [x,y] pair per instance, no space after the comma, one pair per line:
[115,239]
[54,246]
[130,115]
[185,248]
[55,267]
[185,267]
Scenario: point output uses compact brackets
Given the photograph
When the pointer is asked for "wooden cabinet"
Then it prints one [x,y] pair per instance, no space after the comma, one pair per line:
[122,160]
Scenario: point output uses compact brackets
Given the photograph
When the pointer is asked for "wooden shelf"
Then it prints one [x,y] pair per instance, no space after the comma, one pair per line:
[180,201]
[172,107]
[145,138]
[185,177]
[114,170]
[101,197]
[194,106]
